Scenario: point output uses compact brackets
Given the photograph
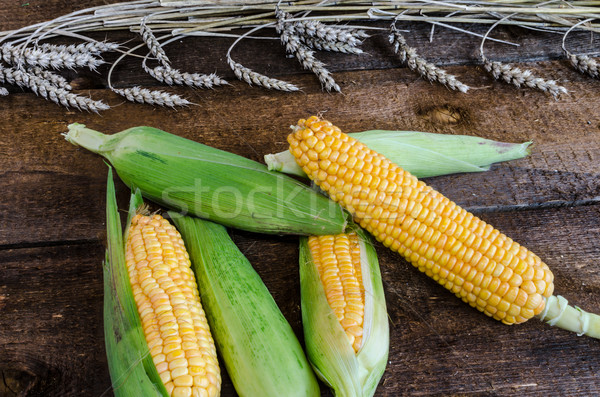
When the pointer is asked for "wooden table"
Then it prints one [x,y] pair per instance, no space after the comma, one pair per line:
[52,217]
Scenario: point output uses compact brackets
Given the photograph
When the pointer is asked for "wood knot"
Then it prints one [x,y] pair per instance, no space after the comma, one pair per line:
[16,382]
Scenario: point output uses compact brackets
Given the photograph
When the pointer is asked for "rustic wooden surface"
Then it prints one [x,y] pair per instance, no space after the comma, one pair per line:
[52,206]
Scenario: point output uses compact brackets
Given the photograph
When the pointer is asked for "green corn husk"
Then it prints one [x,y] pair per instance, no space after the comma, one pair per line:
[209,183]
[131,368]
[259,348]
[423,154]
[349,374]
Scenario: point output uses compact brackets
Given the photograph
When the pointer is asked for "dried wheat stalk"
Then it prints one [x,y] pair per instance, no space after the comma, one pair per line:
[57,60]
[252,77]
[49,91]
[305,56]
[426,69]
[299,37]
[517,77]
[151,97]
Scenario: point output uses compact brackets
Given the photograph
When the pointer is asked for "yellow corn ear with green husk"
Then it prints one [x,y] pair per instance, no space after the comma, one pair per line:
[157,338]
[344,313]
[479,264]
[259,348]
[423,154]
[209,183]
[131,368]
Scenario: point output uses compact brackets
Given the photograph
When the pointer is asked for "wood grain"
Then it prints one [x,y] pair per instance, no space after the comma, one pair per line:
[51,298]
[41,169]
[51,323]
[52,210]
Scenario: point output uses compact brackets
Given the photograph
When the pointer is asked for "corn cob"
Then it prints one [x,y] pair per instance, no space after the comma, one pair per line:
[343,312]
[259,348]
[169,306]
[479,264]
[209,183]
[423,154]
[162,290]
[337,259]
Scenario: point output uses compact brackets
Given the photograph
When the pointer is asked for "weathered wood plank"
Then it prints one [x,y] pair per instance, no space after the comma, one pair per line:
[39,169]
[17,14]
[51,340]
[460,352]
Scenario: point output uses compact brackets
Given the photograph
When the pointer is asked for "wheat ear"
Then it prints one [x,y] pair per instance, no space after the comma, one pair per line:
[584,64]
[153,45]
[251,77]
[328,33]
[517,77]
[304,55]
[514,75]
[53,78]
[324,45]
[93,47]
[172,76]
[49,91]
[416,63]
[57,60]
[151,97]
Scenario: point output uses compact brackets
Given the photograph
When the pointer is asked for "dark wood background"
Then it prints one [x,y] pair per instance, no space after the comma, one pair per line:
[53,199]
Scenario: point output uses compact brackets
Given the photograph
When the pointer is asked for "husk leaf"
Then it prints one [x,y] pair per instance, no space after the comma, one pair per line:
[258,346]
[131,368]
[423,154]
